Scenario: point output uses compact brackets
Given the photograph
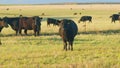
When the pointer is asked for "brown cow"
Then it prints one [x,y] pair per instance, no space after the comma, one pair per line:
[2,24]
[30,23]
[68,30]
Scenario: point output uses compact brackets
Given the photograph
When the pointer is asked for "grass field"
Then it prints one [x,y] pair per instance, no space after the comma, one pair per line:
[96,47]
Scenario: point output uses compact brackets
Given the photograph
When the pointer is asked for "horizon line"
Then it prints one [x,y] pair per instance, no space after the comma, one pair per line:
[62,3]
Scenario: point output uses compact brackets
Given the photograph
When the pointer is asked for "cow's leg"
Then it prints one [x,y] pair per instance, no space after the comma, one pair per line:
[65,45]
[1,29]
[16,32]
[114,21]
[25,31]
[35,32]
[20,32]
[90,21]
[69,46]
[38,32]
[71,43]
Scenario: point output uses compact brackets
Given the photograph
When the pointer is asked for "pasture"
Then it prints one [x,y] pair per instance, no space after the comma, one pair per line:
[96,46]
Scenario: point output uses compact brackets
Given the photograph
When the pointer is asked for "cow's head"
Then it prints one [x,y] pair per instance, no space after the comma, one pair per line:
[82,19]
[110,17]
[3,23]
[37,20]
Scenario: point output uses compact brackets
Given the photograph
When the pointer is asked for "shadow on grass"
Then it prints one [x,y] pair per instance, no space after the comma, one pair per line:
[42,34]
[104,32]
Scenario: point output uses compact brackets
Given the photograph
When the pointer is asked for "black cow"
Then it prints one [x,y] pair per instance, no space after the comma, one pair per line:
[13,22]
[52,21]
[85,18]
[115,17]
[68,30]
[30,23]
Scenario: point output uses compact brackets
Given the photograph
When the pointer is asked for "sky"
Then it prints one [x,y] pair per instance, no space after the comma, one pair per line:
[51,1]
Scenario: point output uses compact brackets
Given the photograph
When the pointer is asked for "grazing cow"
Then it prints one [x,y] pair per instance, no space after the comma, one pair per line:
[115,17]
[52,21]
[13,22]
[68,30]
[85,18]
[2,24]
[30,23]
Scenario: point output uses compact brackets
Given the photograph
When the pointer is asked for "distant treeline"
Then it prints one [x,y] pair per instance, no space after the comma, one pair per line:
[72,3]
[66,3]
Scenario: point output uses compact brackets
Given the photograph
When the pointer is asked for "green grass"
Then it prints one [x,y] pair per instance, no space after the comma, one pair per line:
[99,47]
[90,51]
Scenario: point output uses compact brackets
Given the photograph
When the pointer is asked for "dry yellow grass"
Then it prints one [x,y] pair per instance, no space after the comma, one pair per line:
[90,6]
[90,50]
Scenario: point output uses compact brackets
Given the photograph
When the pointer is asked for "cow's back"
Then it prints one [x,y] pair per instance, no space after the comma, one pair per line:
[26,23]
[85,18]
[74,28]
[115,16]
